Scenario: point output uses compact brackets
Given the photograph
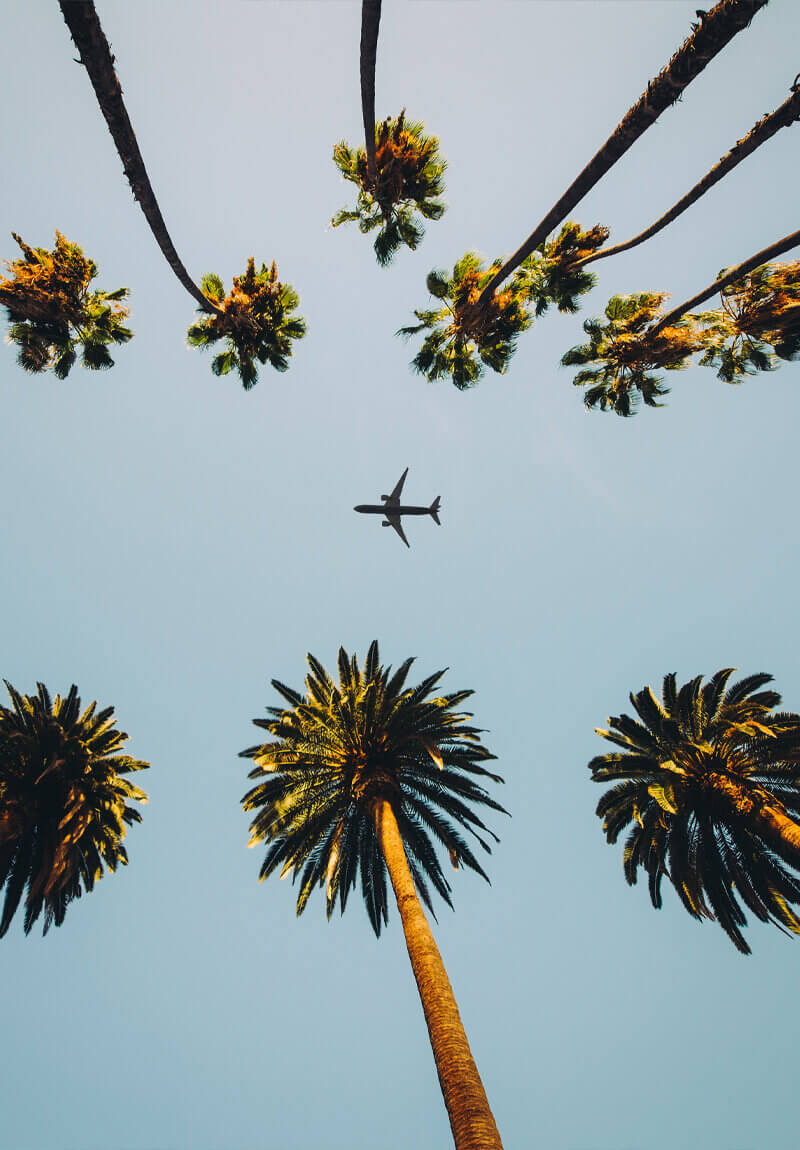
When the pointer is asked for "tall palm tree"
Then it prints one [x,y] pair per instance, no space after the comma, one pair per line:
[461,340]
[783,117]
[370,23]
[407,182]
[708,777]
[715,30]
[63,802]
[53,313]
[761,306]
[368,775]
[84,26]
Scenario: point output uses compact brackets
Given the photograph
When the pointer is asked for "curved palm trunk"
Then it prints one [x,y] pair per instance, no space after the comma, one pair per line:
[716,29]
[84,26]
[763,812]
[467,1106]
[370,21]
[762,257]
[764,130]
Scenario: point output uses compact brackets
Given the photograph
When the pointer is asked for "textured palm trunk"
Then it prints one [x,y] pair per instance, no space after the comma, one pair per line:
[84,26]
[762,811]
[716,29]
[762,257]
[370,21]
[764,130]
[467,1106]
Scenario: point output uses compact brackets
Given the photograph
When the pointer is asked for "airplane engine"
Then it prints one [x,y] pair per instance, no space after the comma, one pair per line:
[386,523]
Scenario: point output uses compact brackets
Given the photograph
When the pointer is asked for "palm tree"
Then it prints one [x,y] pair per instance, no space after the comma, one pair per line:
[461,340]
[52,312]
[255,319]
[714,31]
[626,353]
[787,114]
[84,26]
[709,780]
[368,775]
[761,304]
[408,179]
[63,802]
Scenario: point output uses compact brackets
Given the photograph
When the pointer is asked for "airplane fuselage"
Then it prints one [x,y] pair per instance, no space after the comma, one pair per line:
[381,509]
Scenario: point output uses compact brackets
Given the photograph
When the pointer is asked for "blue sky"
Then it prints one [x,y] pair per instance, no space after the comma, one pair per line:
[171,543]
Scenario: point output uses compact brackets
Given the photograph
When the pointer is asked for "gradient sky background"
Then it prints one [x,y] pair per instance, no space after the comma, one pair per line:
[171,543]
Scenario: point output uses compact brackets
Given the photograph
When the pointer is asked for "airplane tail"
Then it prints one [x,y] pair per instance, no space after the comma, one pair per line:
[433,510]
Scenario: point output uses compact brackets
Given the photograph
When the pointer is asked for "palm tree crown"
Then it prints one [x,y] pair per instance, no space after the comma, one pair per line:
[53,312]
[340,748]
[63,802]
[255,318]
[553,273]
[706,776]
[461,339]
[409,178]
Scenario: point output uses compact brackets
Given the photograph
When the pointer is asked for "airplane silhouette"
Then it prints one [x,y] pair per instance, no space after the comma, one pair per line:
[392,509]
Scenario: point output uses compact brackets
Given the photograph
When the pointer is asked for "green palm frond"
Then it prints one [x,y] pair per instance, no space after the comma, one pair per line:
[53,314]
[409,180]
[63,802]
[460,341]
[340,747]
[549,275]
[624,355]
[687,774]
[256,319]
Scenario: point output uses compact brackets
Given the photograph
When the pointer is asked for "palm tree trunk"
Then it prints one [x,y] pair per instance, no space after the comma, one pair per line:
[716,29]
[762,812]
[788,113]
[370,21]
[471,1119]
[84,26]
[762,257]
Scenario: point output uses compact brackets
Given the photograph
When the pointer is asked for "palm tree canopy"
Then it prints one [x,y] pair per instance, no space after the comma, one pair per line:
[460,338]
[624,353]
[687,776]
[52,312]
[337,749]
[255,319]
[553,272]
[759,319]
[63,801]
[409,178]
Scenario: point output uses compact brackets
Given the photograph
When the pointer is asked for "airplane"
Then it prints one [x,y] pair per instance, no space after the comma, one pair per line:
[393,509]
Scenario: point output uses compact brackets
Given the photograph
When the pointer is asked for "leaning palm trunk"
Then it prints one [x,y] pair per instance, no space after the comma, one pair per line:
[370,21]
[762,257]
[84,26]
[764,130]
[716,29]
[471,1119]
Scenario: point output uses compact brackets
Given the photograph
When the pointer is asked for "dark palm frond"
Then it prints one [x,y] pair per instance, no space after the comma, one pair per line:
[255,319]
[700,778]
[53,314]
[63,802]
[460,341]
[552,273]
[342,747]
[409,178]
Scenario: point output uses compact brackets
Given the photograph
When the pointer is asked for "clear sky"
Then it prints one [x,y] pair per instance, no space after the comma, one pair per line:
[170,544]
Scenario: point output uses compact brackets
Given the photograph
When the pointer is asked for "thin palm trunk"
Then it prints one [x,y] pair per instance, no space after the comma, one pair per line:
[370,21]
[762,257]
[716,29]
[471,1119]
[788,113]
[84,26]
[764,813]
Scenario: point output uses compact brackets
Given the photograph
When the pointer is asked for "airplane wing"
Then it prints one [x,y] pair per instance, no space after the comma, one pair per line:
[395,496]
[394,521]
